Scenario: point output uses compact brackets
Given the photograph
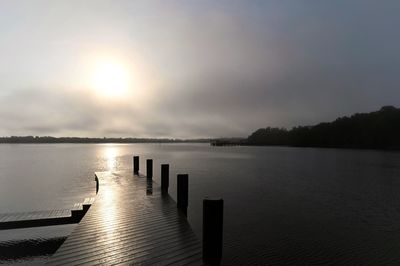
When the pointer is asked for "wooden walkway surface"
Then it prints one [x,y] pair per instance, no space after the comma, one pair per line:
[47,214]
[130,222]
[23,216]
[45,218]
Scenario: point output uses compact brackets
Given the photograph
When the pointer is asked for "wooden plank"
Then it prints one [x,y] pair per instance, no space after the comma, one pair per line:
[128,225]
[39,218]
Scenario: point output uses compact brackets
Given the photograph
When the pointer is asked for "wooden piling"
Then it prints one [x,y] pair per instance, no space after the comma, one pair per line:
[149,168]
[182,192]
[212,230]
[136,165]
[97,184]
[164,177]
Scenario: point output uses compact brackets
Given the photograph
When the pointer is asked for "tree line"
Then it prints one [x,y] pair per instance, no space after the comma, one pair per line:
[375,130]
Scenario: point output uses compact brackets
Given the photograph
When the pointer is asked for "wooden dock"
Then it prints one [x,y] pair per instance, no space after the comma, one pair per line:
[130,222]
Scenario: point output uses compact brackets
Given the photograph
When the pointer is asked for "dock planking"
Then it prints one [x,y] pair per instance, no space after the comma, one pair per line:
[46,217]
[130,222]
[13,217]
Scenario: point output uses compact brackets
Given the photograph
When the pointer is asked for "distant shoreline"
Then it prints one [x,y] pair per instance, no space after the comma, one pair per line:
[213,142]
[77,140]
[316,147]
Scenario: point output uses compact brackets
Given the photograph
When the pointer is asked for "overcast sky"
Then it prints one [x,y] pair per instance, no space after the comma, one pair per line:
[196,68]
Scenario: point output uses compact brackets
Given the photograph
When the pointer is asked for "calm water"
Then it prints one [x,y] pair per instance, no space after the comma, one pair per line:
[283,206]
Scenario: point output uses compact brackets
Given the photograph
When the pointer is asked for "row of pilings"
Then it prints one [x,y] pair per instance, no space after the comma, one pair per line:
[212,210]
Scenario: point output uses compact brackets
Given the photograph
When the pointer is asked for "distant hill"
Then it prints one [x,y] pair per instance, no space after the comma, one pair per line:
[375,130]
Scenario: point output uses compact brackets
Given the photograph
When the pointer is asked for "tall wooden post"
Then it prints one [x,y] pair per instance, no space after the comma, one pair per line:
[213,212]
[164,177]
[149,168]
[135,165]
[182,192]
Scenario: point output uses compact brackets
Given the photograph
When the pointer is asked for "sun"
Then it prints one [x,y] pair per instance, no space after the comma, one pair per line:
[110,79]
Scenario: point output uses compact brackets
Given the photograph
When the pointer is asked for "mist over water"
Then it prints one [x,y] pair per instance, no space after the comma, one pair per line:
[282,205]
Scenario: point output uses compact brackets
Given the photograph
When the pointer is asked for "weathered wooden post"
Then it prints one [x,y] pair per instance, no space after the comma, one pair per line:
[164,177]
[182,192]
[149,168]
[97,183]
[213,212]
[135,165]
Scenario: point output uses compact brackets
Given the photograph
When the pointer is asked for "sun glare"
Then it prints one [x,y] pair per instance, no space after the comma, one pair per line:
[111,158]
[110,79]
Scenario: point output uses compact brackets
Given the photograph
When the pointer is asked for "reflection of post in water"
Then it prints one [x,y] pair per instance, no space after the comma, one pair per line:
[149,188]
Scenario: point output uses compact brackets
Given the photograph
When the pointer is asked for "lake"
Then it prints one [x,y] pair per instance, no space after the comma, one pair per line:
[283,206]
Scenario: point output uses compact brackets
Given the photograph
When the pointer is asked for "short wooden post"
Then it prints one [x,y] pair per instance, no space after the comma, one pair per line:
[182,192]
[164,177]
[97,183]
[135,165]
[213,210]
[149,168]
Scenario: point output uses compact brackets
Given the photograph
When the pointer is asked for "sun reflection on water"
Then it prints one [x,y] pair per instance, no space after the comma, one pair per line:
[111,158]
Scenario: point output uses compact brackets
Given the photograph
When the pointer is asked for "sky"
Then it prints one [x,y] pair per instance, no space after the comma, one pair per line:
[191,69]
